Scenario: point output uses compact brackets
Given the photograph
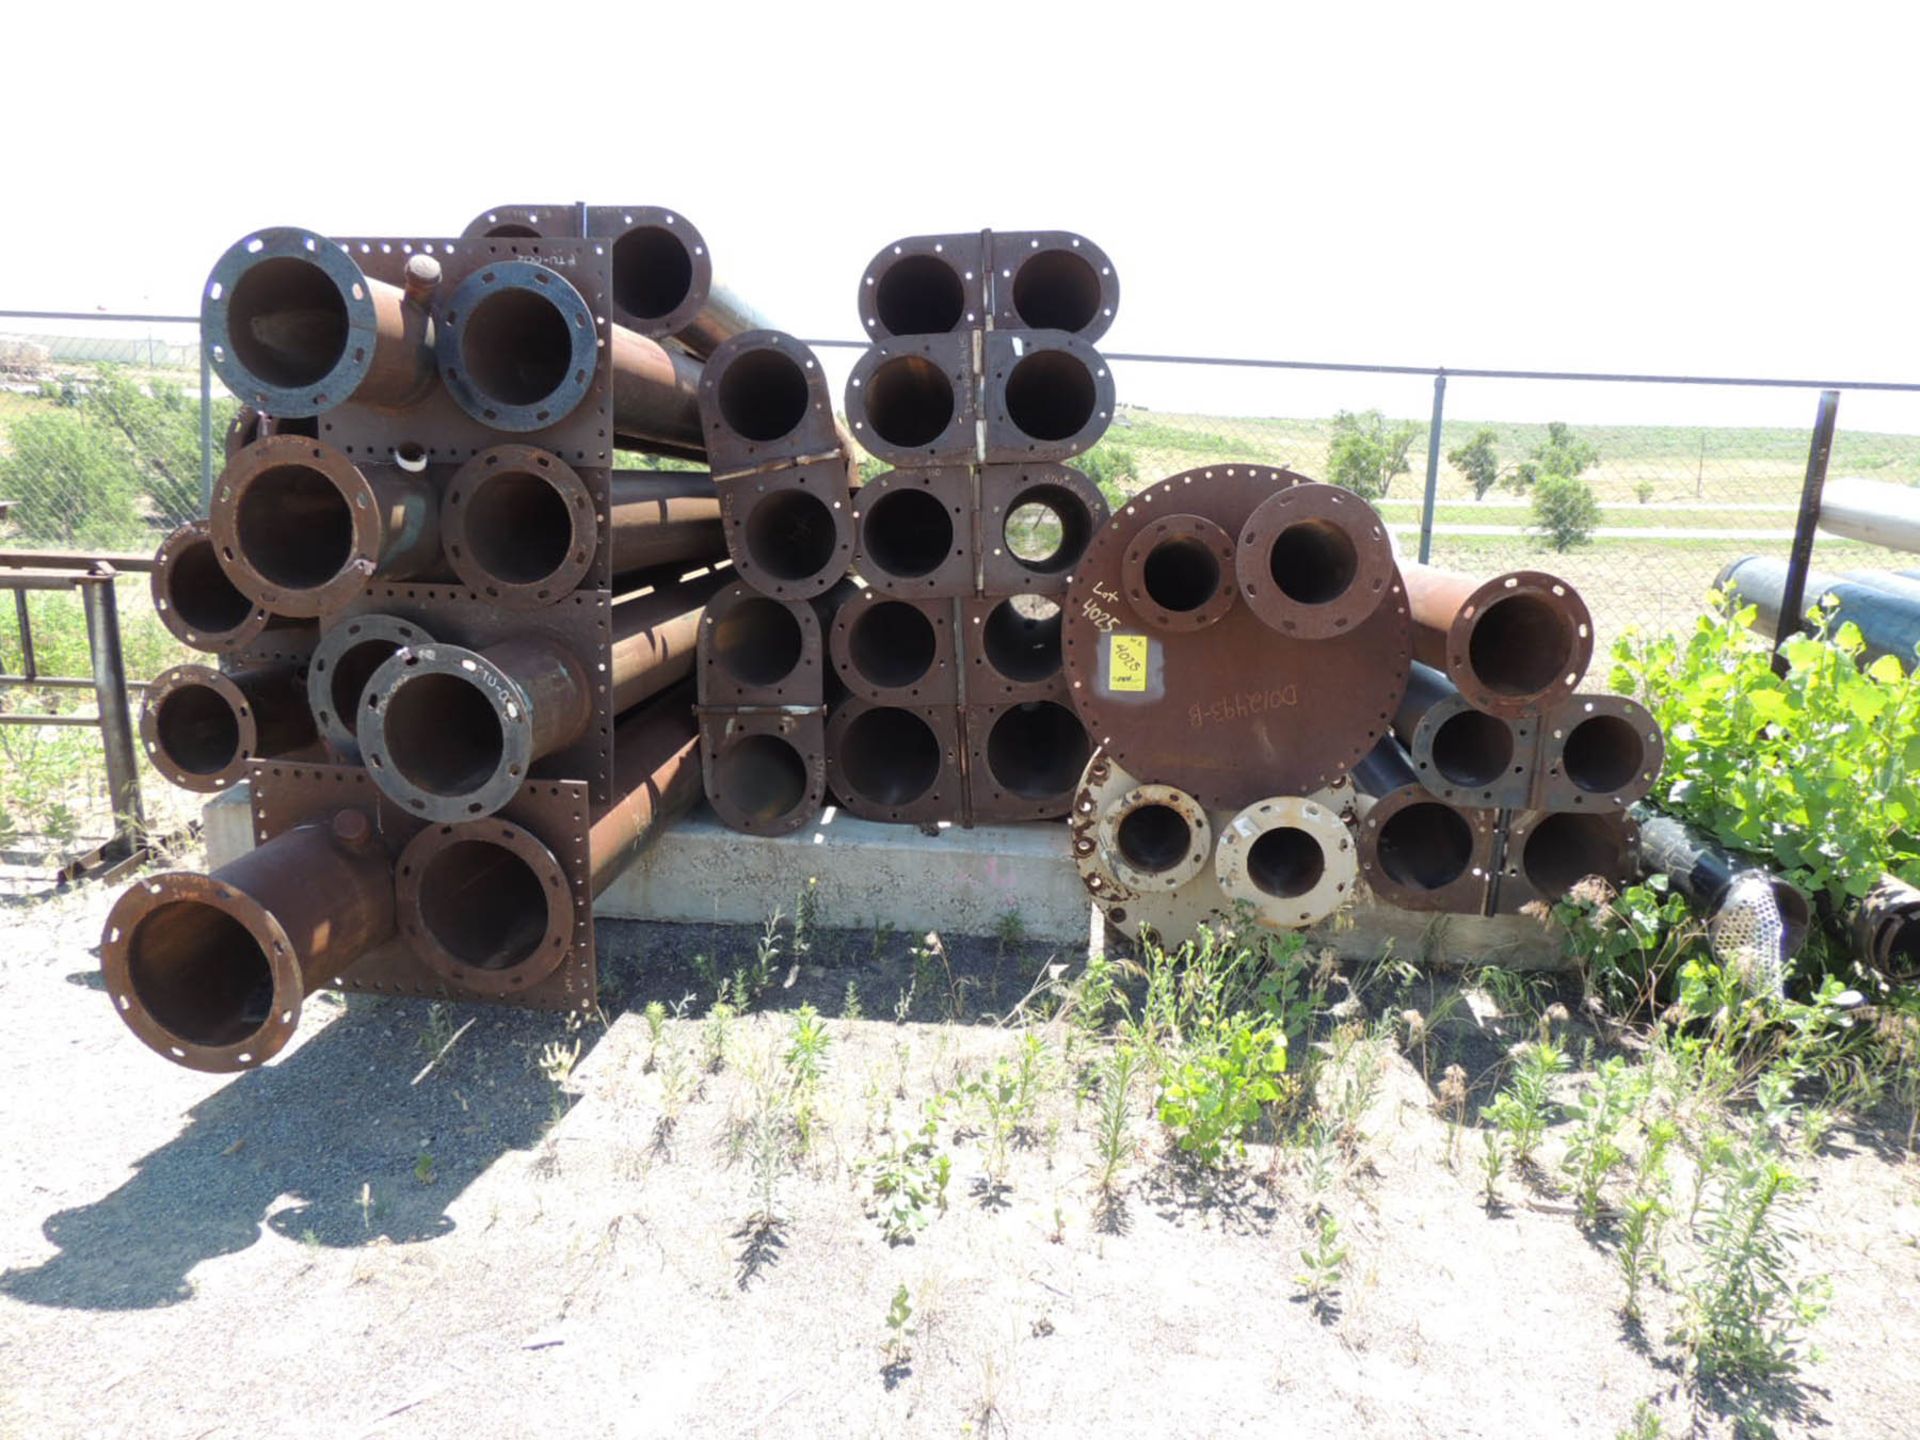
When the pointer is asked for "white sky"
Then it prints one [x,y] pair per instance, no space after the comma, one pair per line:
[1691,188]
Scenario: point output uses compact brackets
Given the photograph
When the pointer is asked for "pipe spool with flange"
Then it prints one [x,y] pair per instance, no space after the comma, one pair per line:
[348,654]
[1015,647]
[1548,852]
[764,401]
[519,525]
[662,270]
[210,970]
[790,531]
[1704,872]
[896,763]
[913,534]
[1156,860]
[1416,851]
[1045,395]
[1601,750]
[1872,511]
[199,603]
[452,733]
[911,402]
[1025,760]
[757,651]
[1514,645]
[1463,755]
[1013,280]
[765,769]
[1181,680]
[1889,622]
[895,651]
[200,727]
[1036,522]
[295,328]
[302,529]
[1884,926]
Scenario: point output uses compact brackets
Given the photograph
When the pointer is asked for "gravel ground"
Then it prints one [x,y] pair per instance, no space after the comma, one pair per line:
[326,1248]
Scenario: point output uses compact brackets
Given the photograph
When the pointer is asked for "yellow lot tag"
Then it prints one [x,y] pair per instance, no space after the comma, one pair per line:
[1127,663]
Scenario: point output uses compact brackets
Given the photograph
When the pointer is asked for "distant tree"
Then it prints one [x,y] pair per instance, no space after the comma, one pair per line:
[159,424]
[74,482]
[1368,451]
[1564,510]
[1560,454]
[1478,461]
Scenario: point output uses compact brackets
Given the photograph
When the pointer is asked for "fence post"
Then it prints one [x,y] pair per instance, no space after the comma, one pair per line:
[1793,594]
[206,433]
[1433,466]
[110,701]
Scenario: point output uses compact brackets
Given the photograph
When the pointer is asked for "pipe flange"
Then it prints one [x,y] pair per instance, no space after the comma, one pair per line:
[265,466]
[1173,915]
[1195,558]
[1598,751]
[195,597]
[567,388]
[291,395]
[505,464]
[1420,853]
[524,222]
[419,908]
[335,663]
[491,781]
[136,907]
[1572,612]
[1289,858]
[1314,560]
[171,686]
[636,221]
[1155,837]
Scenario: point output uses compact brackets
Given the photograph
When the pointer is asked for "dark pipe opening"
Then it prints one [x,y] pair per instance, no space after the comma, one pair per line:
[920,295]
[790,534]
[1154,838]
[1603,753]
[350,675]
[1425,846]
[1037,751]
[1797,915]
[1047,528]
[516,347]
[891,643]
[197,728]
[1285,862]
[1056,290]
[761,775]
[1181,574]
[513,231]
[890,756]
[287,322]
[1565,849]
[442,734]
[1472,748]
[201,593]
[484,904]
[763,395]
[652,271]
[1021,638]
[1520,645]
[519,527]
[294,527]
[1313,562]
[908,532]
[910,401]
[200,973]
[1051,395]
[758,641]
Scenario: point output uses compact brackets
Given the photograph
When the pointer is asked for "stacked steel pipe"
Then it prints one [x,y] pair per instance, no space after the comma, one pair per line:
[1249,652]
[980,384]
[457,642]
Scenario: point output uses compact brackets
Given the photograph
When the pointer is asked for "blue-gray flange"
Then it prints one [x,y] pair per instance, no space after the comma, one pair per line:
[337,384]
[450,334]
[472,798]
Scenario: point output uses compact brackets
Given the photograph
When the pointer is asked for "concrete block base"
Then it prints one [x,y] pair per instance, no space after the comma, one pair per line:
[959,882]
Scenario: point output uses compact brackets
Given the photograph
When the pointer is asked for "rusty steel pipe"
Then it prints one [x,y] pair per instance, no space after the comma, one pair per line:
[656,779]
[210,970]
[1314,560]
[249,425]
[451,733]
[200,727]
[656,396]
[764,401]
[1463,754]
[1514,644]
[663,283]
[1416,851]
[519,526]
[301,529]
[197,600]
[294,327]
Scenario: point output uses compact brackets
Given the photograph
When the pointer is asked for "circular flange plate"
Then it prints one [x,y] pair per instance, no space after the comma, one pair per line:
[535,961]
[1171,913]
[505,463]
[268,466]
[176,682]
[453,320]
[1311,888]
[1235,711]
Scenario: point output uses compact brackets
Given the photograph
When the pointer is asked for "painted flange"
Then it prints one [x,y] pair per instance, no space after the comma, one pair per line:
[503,462]
[1236,711]
[1172,914]
[390,633]
[1179,869]
[1328,883]
[454,320]
[289,243]
[540,959]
